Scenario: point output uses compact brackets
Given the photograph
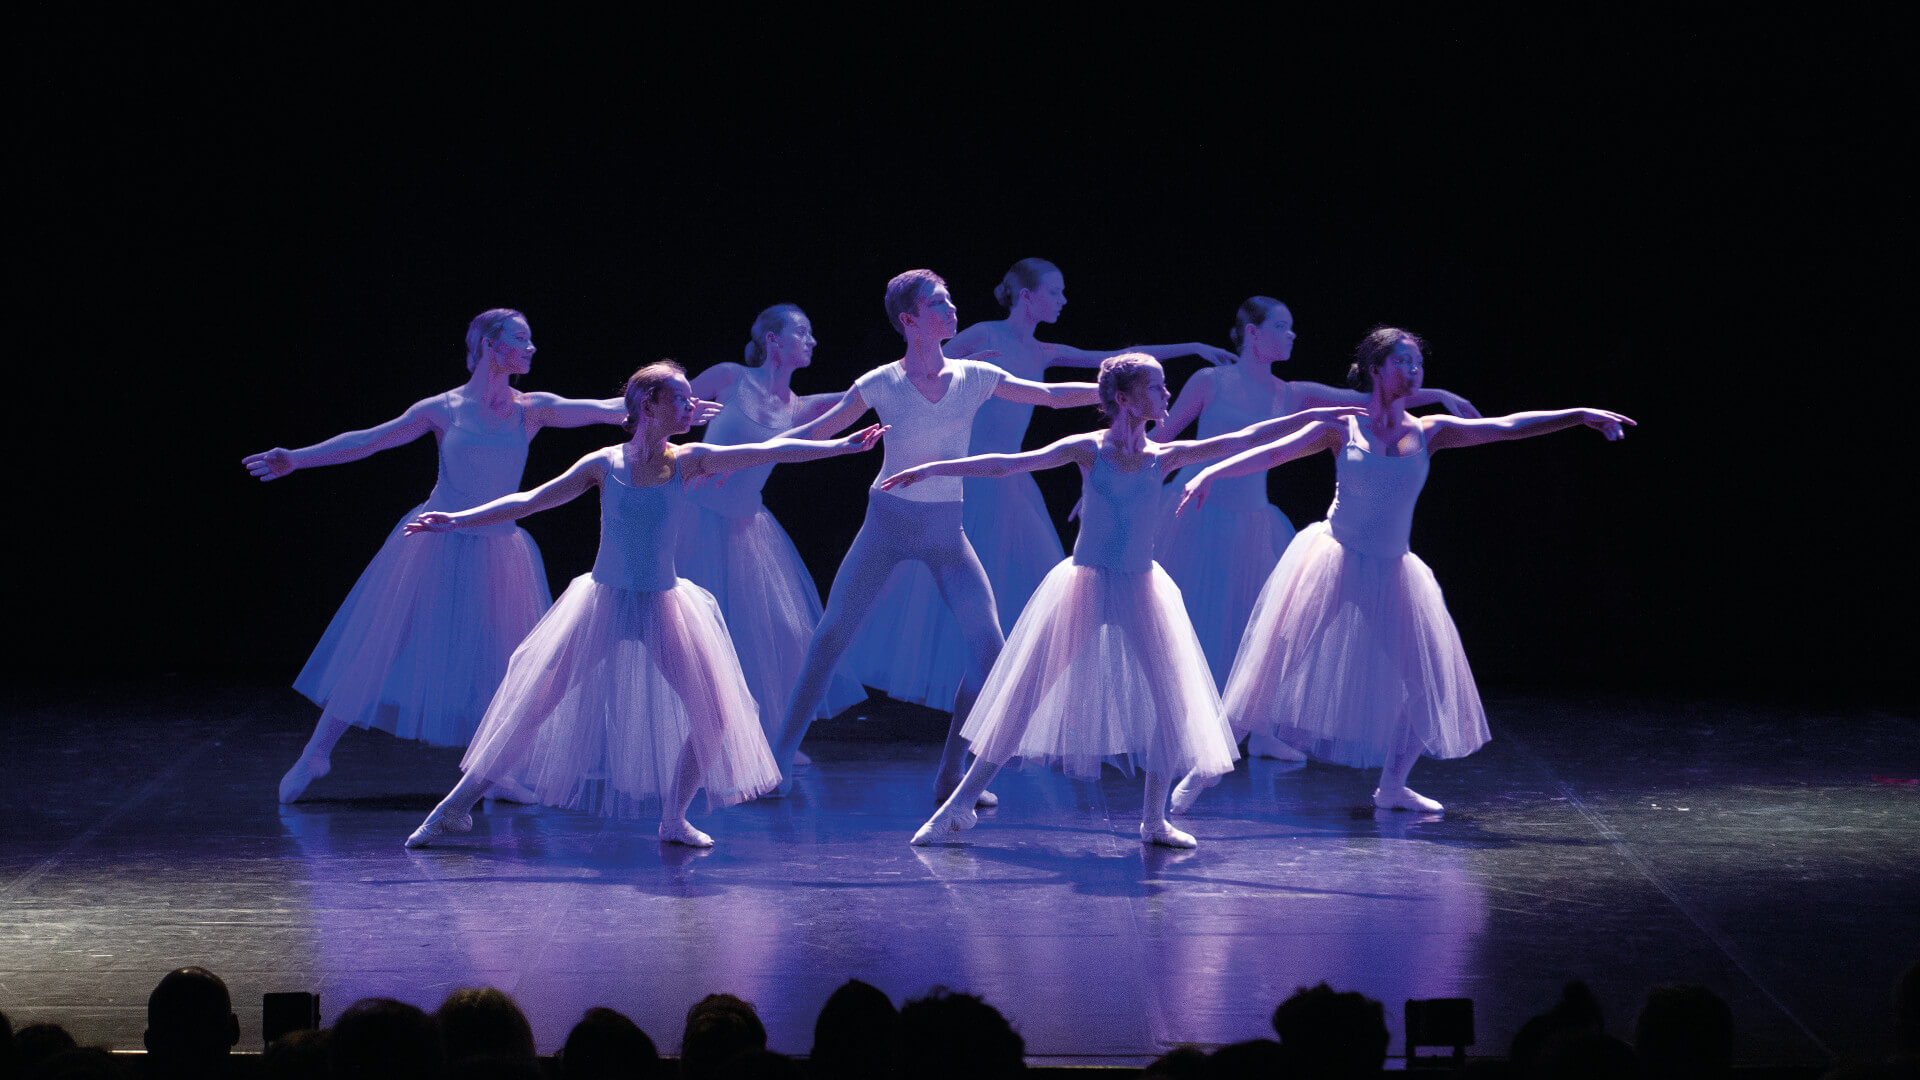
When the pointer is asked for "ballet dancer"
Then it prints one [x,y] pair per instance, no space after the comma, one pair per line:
[1350,653]
[732,547]
[1221,555]
[911,648]
[928,400]
[628,690]
[1103,664]
[423,637]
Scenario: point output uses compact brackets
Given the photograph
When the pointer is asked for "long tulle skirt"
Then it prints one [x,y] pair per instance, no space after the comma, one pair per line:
[605,694]
[1103,666]
[770,604]
[910,647]
[1221,558]
[423,638]
[1341,645]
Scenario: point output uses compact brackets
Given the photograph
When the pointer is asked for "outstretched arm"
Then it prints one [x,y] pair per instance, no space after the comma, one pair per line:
[1057,395]
[347,446]
[705,460]
[1253,435]
[1072,449]
[552,410]
[566,487]
[1068,356]
[1320,436]
[834,420]
[1194,398]
[1316,395]
[1445,431]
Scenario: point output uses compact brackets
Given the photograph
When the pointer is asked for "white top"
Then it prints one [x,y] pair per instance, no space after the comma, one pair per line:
[922,430]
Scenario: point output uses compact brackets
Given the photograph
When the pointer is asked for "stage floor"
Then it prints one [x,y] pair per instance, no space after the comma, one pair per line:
[1762,852]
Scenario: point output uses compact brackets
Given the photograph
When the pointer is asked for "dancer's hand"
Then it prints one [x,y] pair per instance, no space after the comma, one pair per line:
[1611,424]
[1457,405]
[864,439]
[704,411]
[1194,494]
[431,521]
[269,465]
[1215,355]
[903,478]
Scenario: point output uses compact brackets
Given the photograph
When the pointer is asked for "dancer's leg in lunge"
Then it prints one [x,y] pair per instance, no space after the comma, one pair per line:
[963,585]
[316,759]
[1393,792]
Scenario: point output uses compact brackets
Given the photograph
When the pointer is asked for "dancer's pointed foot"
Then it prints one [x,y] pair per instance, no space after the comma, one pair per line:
[1164,834]
[1405,798]
[683,832]
[1187,791]
[801,759]
[945,827]
[1266,746]
[304,772]
[438,826]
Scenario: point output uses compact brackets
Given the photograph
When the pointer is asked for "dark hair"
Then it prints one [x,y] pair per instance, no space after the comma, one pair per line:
[718,1027]
[905,292]
[607,1044]
[771,321]
[486,325]
[1684,1031]
[1124,372]
[483,1021]
[644,385]
[384,1037]
[1025,274]
[1332,1034]
[1373,350]
[856,1034]
[948,1036]
[190,1017]
[1253,310]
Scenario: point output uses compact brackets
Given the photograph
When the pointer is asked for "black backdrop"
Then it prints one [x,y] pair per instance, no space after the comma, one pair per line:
[245,232]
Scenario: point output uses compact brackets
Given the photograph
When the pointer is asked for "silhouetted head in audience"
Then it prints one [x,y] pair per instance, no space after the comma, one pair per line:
[86,1063]
[605,1045]
[1179,1063]
[6,1045]
[763,1065]
[298,1055]
[1579,1054]
[1331,1034]
[1256,1058]
[483,1022]
[190,1023]
[856,1034]
[495,1067]
[35,1043]
[1684,1032]
[378,1038]
[1906,1013]
[948,1036]
[1577,1010]
[718,1027]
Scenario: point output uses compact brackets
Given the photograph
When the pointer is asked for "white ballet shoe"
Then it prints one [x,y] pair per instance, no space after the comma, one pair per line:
[511,791]
[1405,798]
[1266,746]
[1188,791]
[683,832]
[440,825]
[945,828]
[801,760]
[1164,834]
[304,772]
[986,800]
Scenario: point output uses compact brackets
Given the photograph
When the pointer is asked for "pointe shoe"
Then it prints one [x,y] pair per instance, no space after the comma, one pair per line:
[1405,798]
[438,826]
[945,828]
[801,760]
[1188,791]
[304,772]
[1164,834]
[1266,746]
[683,832]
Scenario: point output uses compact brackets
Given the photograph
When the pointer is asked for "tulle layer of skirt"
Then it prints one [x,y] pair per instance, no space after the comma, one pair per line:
[1340,645]
[605,695]
[423,637]
[770,604]
[911,647]
[1221,558]
[1103,666]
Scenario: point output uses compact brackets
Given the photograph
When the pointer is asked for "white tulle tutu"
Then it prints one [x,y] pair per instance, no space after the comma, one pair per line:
[423,638]
[1339,644]
[610,688]
[1103,666]
[910,648]
[1220,557]
[770,604]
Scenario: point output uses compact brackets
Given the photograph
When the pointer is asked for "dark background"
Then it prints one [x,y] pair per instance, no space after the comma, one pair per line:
[246,231]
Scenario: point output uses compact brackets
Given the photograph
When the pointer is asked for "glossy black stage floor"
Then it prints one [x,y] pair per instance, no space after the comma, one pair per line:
[1766,853]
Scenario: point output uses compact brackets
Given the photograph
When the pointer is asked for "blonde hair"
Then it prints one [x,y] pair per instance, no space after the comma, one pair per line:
[1125,372]
[644,385]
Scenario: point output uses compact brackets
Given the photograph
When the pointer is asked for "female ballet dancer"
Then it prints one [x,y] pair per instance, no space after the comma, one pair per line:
[423,637]
[1221,555]
[732,547]
[628,690]
[911,648]
[1103,664]
[928,400]
[1350,653]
